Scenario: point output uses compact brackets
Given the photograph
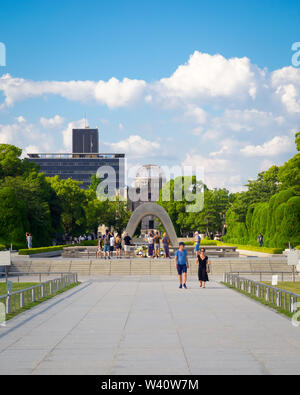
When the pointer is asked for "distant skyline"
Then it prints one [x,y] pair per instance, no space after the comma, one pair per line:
[170,83]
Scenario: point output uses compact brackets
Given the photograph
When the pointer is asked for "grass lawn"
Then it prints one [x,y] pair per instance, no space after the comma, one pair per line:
[288,286]
[32,304]
[16,287]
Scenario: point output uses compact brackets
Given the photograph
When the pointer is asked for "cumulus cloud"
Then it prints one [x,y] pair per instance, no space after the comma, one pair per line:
[112,93]
[213,76]
[50,123]
[248,120]
[286,82]
[136,146]
[196,113]
[67,133]
[278,145]
[218,172]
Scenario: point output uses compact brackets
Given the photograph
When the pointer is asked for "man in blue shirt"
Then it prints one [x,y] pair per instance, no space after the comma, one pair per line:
[181,264]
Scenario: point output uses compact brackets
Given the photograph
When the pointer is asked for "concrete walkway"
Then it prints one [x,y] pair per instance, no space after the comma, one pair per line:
[146,325]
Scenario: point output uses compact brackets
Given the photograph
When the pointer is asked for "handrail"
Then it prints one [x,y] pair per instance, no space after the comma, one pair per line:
[17,300]
[279,297]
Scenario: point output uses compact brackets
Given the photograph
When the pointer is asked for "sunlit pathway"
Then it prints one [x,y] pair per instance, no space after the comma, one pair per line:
[146,325]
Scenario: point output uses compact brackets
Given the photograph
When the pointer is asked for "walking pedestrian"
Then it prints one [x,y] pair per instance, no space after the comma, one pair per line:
[181,264]
[203,267]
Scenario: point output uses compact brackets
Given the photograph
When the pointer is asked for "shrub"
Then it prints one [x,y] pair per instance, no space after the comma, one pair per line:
[2,247]
[208,242]
[40,250]
[255,249]
[87,243]
[298,248]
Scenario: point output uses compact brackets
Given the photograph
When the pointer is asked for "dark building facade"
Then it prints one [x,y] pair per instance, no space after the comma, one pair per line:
[85,141]
[79,165]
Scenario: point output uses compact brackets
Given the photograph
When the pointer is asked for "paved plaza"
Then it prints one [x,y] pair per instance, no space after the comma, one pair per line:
[146,325]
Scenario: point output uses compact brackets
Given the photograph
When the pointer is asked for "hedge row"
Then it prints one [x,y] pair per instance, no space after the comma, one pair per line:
[255,249]
[40,250]
[278,220]
[2,247]
[298,248]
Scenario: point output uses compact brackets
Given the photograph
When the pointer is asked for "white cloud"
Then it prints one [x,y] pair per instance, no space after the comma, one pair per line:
[286,82]
[196,113]
[67,133]
[136,146]
[49,123]
[247,120]
[20,119]
[278,145]
[218,172]
[9,133]
[265,165]
[214,76]
[112,93]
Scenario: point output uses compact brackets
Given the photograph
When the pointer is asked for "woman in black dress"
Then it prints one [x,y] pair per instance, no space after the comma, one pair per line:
[203,262]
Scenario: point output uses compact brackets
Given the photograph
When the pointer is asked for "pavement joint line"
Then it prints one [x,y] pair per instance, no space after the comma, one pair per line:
[177,331]
[242,342]
[75,326]
[269,308]
[125,324]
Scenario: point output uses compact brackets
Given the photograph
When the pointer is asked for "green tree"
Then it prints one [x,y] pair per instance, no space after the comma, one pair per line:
[73,201]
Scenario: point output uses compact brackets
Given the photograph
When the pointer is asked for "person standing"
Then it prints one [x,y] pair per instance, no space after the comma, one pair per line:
[29,240]
[106,243]
[203,267]
[260,240]
[181,264]
[150,245]
[166,243]
[99,249]
[157,245]
[197,243]
[118,246]
[111,244]
[127,242]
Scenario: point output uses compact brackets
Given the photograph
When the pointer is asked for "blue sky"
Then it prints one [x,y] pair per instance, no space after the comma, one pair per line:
[207,83]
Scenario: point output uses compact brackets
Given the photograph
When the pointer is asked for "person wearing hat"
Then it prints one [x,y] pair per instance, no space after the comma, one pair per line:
[181,264]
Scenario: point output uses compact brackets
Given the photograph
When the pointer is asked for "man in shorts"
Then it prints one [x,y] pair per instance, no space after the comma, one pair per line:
[106,242]
[181,264]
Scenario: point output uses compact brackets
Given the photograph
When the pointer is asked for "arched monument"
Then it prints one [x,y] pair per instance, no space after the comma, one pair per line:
[156,210]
